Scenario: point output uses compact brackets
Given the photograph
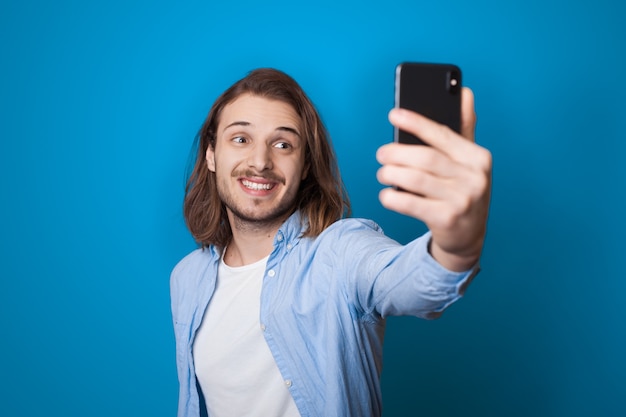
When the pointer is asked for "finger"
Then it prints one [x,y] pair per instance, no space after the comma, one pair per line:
[425,158]
[468,114]
[413,205]
[441,215]
[417,182]
[401,202]
[435,134]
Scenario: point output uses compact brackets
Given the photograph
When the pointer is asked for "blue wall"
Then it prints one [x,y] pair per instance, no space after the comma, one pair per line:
[99,104]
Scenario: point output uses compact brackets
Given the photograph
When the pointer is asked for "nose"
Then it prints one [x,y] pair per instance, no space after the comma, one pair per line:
[260,157]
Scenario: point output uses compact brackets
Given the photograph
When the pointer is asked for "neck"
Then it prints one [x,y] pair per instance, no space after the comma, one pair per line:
[251,241]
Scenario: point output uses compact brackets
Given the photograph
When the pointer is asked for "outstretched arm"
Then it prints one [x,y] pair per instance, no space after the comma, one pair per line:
[447,184]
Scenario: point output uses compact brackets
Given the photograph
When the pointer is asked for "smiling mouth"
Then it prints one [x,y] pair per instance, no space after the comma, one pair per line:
[251,185]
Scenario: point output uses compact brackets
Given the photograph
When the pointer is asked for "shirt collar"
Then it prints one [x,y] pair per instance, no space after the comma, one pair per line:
[290,233]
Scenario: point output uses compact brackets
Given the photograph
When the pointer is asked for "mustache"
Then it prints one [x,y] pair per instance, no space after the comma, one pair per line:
[270,176]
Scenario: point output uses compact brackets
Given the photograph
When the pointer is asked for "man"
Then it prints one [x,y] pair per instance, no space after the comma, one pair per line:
[282,310]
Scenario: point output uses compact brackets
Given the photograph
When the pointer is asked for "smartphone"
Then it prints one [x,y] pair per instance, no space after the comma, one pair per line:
[433,90]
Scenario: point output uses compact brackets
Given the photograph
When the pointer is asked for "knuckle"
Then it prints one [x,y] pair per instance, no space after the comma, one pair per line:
[428,157]
[441,130]
[484,160]
[465,205]
[480,185]
[417,181]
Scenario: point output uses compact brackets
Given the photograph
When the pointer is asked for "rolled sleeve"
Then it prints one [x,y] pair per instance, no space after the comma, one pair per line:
[411,282]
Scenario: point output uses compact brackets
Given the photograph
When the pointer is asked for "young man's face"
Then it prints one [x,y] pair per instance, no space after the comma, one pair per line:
[258,159]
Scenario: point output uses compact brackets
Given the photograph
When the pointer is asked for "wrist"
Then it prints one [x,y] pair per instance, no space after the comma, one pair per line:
[453,261]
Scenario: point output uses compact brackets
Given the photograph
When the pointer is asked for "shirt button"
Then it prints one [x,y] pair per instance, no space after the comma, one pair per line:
[279,237]
[262,327]
[288,246]
[288,383]
[271,273]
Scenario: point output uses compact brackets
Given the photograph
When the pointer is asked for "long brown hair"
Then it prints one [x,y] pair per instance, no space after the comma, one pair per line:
[322,197]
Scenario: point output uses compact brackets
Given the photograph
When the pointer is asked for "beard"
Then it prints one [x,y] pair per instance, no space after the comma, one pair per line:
[257,216]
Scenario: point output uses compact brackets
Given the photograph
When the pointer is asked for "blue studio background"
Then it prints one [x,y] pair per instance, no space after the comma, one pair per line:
[99,105]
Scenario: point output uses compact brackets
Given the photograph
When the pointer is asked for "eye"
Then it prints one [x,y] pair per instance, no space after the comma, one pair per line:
[282,145]
[239,139]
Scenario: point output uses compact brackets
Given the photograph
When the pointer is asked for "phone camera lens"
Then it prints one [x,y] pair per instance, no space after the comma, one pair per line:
[453,83]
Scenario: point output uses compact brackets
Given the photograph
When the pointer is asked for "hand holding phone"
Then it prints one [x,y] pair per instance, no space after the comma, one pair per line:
[433,90]
[448,183]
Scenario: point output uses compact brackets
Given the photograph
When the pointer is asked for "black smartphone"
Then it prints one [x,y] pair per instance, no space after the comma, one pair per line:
[433,90]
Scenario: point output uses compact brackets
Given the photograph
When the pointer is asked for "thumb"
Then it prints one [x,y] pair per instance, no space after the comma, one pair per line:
[468,114]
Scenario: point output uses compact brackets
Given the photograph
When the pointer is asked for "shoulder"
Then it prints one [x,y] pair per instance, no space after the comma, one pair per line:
[191,268]
[353,225]
[351,236]
[189,281]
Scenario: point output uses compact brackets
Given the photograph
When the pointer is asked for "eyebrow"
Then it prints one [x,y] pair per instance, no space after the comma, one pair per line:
[279,128]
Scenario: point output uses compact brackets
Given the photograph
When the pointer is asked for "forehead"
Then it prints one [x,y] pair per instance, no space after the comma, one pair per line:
[259,112]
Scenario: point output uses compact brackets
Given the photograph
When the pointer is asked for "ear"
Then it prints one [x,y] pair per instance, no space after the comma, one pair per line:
[210,158]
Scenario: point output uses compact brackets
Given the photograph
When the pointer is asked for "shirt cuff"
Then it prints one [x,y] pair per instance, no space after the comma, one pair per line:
[462,279]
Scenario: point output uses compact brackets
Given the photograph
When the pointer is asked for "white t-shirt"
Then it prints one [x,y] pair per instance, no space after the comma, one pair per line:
[234,366]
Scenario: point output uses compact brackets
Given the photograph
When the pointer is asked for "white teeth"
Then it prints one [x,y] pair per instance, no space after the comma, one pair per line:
[256,185]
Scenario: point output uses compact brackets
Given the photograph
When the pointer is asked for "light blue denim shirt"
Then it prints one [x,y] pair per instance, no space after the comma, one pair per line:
[324,302]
